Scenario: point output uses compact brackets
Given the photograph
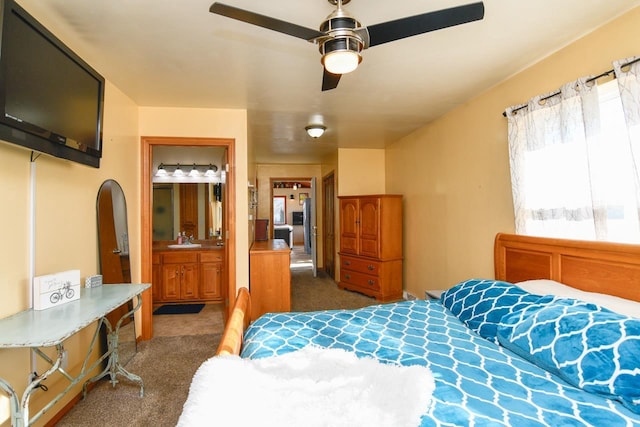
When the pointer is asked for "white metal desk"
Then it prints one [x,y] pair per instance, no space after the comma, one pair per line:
[35,329]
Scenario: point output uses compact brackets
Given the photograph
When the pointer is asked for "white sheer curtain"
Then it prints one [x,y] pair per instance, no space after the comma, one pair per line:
[629,87]
[572,160]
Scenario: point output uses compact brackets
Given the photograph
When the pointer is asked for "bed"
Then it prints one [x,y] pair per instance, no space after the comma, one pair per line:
[488,344]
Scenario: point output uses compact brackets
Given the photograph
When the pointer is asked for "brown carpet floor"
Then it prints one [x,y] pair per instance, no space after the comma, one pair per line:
[166,365]
[181,343]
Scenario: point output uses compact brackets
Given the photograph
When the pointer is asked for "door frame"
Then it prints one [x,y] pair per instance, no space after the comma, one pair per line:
[329,212]
[146,250]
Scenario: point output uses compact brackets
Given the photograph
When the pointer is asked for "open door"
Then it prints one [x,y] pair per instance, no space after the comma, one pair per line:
[314,229]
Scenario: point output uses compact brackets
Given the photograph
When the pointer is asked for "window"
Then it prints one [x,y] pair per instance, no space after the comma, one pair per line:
[572,168]
[279,210]
[619,174]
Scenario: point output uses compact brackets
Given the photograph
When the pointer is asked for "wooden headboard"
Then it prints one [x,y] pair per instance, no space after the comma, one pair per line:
[603,267]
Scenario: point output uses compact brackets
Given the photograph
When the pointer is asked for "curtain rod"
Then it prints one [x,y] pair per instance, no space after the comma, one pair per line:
[606,73]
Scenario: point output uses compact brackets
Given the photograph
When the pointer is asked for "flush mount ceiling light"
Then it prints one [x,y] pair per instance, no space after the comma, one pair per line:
[315,131]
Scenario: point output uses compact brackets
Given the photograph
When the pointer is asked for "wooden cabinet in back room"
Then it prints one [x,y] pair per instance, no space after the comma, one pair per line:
[371,245]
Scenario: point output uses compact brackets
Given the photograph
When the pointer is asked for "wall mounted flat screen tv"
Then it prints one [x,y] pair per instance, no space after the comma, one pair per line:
[51,101]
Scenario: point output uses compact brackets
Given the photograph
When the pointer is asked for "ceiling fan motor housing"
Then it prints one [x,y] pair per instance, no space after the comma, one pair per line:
[340,27]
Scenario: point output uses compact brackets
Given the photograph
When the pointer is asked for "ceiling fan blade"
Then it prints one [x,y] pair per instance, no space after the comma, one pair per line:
[330,80]
[265,22]
[419,24]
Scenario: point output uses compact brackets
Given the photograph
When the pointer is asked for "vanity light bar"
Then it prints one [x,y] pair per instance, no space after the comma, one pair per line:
[177,171]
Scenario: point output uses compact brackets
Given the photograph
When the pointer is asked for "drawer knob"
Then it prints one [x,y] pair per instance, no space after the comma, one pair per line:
[371,267]
[347,263]
[372,282]
[347,276]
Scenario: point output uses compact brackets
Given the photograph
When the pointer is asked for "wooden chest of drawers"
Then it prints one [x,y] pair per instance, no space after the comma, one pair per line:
[379,279]
[371,245]
[269,277]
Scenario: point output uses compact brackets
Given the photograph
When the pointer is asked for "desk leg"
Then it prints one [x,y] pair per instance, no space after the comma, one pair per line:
[114,367]
[20,417]
[16,414]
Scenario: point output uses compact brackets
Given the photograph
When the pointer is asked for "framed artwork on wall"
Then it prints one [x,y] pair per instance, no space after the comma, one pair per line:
[302,196]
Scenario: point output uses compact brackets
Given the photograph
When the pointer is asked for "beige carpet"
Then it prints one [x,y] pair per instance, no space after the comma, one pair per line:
[181,343]
[166,365]
[208,321]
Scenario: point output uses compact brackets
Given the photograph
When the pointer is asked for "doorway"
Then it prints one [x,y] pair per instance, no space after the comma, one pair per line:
[294,219]
[328,226]
[148,143]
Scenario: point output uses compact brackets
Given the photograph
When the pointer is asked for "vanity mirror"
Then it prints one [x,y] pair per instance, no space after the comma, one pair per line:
[193,208]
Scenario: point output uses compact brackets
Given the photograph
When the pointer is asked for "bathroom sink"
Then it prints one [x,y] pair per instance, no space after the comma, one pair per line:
[185,246]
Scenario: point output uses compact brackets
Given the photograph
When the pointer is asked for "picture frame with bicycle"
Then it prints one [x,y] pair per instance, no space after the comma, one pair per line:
[55,289]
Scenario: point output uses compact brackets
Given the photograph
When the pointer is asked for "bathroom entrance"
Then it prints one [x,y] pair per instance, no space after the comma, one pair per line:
[147,228]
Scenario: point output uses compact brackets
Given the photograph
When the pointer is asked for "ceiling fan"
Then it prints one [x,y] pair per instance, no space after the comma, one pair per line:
[341,37]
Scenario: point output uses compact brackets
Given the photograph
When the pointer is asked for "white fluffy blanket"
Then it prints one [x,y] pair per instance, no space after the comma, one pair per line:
[309,387]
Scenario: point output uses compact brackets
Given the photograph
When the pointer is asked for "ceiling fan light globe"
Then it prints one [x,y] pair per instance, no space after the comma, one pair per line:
[341,61]
[315,131]
[341,55]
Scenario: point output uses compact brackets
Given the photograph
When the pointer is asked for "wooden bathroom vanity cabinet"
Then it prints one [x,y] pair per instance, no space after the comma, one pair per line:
[188,274]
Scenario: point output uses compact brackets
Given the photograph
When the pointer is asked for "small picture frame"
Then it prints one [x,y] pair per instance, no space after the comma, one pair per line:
[302,197]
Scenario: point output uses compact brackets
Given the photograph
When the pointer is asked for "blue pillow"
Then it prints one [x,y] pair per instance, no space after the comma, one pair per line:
[481,303]
[588,346]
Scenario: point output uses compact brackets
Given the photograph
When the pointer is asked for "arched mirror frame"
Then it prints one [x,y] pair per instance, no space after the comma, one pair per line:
[113,249]
[113,234]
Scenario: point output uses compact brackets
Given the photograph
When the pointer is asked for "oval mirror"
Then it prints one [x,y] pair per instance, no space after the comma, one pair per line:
[113,234]
[113,243]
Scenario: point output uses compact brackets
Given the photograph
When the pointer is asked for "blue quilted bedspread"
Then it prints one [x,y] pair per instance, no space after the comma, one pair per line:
[478,383]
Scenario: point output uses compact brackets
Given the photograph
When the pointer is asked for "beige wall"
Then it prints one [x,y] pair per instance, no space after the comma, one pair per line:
[66,215]
[66,232]
[362,171]
[218,123]
[455,178]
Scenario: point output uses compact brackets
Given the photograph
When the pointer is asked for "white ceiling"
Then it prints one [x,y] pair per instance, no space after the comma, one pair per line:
[175,53]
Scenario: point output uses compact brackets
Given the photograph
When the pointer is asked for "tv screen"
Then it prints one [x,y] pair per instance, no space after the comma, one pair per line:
[50,99]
